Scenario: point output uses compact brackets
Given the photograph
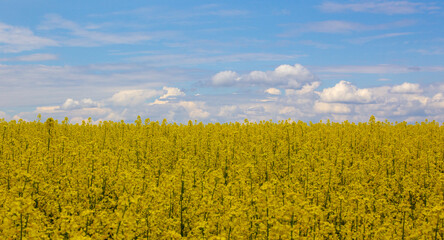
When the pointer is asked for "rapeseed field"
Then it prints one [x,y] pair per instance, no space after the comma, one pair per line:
[266,180]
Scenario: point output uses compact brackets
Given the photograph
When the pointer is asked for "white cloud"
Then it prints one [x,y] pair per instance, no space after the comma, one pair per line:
[363,40]
[342,27]
[289,71]
[295,75]
[225,78]
[438,97]
[157,101]
[133,97]
[436,103]
[377,69]
[86,37]
[333,26]
[305,102]
[172,92]
[288,110]
[31,58]
[284,76]
[319,45]
[407,88]
[433,51]
[48,109]
[273,91]
[228,111]
[269,99]
[423,100]
[384,7]
[194,109]
[308,88]
[40,84]
[345,92]
[76,111]
[353,105]
[323,107]
[18,39]
[258,77]
[70,104]
[255,110]
[229,13]
[160,60]
[37,57]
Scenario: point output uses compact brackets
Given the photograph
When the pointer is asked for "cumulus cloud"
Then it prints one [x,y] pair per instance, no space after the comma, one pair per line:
[225,78]
[48,109]
[158,102]
[323,107]
[436,104]
[305,102]
[306,89]
[353,105]
[52,83]
[407,88]
[228,111]
[288,110]
[290,71]
[284,76]
[273,91]
[70,104]
[345,92]
[172,92]
[134,97]
[194,109]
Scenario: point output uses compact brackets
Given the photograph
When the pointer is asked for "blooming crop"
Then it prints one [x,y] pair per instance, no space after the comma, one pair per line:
[285,180]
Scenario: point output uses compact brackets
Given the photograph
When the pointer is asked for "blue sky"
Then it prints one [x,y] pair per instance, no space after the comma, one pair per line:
[222,60]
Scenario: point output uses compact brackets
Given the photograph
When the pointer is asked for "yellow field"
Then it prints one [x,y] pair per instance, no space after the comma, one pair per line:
[286,180]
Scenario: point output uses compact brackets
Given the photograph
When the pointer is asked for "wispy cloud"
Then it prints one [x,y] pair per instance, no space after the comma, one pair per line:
[15,39]
[43,84]
[435,51]
[338,26]
[362,40]
[31,58]
[83,36]
[193,59]
[178,16]
[377,69]
[229,12]
[383,7]
[334,26]
[319,45]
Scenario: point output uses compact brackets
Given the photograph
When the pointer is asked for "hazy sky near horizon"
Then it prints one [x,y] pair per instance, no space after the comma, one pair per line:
[222,60]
